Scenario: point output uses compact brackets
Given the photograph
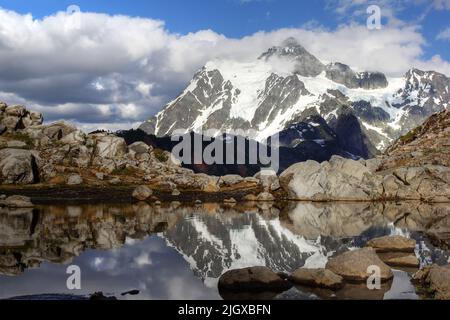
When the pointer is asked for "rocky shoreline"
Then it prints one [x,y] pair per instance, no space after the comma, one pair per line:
[351,269]
[32,234]
[51,161]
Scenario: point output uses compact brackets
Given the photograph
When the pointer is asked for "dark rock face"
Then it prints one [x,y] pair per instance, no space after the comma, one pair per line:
[373,115]
[252,279]
[314,139]
[313,128]
[309,139]
[343,74]
[351,137]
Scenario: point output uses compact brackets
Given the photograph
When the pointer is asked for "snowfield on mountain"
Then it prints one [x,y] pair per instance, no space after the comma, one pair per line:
[287,84]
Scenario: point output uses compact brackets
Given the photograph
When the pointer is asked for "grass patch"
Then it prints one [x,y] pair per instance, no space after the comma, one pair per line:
[410,136]
[123,171]
[160,155]
[23,137]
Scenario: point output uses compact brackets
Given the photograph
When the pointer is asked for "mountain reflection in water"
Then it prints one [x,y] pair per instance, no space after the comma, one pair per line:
[177,252]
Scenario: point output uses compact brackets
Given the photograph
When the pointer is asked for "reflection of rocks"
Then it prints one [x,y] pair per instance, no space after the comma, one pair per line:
[344,220]
[224,238]
[351,291]
[142,193]
[337,220]
[248,295]
[433,220]
[58,234]
[214,237]
[439,232]
[16,202]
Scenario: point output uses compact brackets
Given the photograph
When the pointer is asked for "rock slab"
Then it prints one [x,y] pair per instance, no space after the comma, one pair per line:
[355,265]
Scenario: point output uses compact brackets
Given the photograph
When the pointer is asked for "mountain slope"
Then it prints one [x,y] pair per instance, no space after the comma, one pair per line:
[287,84]
[427,144]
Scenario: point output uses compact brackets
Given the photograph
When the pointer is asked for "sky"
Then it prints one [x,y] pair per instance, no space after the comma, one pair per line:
[115,63]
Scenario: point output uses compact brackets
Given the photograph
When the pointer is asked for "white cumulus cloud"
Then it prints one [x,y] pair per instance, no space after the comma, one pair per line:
[113,72]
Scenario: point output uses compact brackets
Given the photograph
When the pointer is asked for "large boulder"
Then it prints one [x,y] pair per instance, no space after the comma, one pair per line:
[139,148]
[33,118]
[347,180]
[78,155]
[439,232]
[392,244]
[355,265]
[75,137]
[18,166]
[10,123]
[408,261]
[15,111]
[74,180]
[54,131]
[252,279]
[230,180]
[18,117]
[265,196]
[108,145]
[268,180]
[435,280]
[320,278]
[338,179]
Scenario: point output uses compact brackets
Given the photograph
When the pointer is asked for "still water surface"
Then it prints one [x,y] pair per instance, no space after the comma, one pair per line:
[178,252]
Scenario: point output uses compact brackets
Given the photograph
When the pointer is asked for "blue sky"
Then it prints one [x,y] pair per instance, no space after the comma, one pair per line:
[234,18]
[115,71]
[239,18]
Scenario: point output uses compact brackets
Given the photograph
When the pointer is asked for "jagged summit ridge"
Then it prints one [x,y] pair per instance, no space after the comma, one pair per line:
[287,84]
[305,63]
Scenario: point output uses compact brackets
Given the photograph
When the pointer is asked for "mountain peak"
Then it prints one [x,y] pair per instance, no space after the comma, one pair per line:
[305,64]
[288,48]
[290,42]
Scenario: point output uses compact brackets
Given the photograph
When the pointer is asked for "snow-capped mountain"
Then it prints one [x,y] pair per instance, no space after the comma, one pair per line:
[287,84]
[213,245]
[306,235]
